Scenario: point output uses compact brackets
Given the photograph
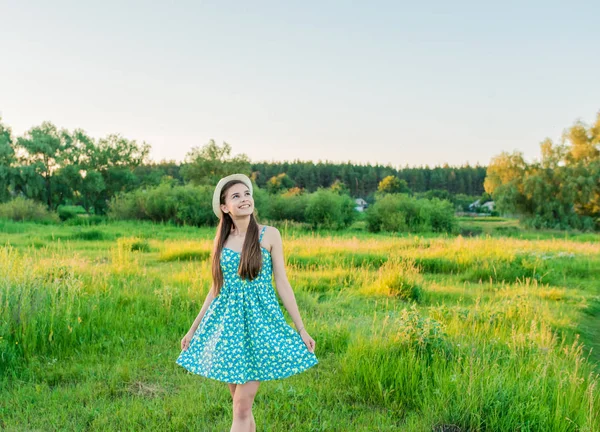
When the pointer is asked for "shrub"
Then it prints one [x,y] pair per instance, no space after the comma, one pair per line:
[66,213]
[288,207]
[166,203]
[400,212]
[327,209]
[159,203]
[23,209]
[194,205]
[125,205]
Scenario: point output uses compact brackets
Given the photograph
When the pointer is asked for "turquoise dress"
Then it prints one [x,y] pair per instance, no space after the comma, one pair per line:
[243,335]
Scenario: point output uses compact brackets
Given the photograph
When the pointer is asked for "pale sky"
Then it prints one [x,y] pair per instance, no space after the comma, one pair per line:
[376,81]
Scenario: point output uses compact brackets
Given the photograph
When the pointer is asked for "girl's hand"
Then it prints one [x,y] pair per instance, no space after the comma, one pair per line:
[310,342]
[185,342]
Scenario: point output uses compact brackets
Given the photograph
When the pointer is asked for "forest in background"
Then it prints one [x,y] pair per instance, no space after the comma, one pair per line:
[58,167]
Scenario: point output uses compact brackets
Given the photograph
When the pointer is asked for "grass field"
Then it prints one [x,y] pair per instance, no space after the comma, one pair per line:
[496,330]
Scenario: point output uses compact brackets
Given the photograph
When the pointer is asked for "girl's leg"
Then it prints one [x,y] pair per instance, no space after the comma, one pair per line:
[243,398]
[232,389]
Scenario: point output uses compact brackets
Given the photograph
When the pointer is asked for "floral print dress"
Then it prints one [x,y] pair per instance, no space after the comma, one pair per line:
[243,335]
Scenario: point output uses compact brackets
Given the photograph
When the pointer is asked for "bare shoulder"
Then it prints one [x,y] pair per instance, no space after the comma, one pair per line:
[270,232]
[272,236]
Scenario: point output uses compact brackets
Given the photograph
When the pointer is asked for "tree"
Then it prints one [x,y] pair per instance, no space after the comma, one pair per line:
[208,164]
[504,168]
[583,142]
[363,180]
[279,182]
[392,184]
[339,188]
[43,148]
[115,159]
[559,191]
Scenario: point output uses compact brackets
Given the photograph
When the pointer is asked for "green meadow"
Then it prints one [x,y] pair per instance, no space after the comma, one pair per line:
[497,329]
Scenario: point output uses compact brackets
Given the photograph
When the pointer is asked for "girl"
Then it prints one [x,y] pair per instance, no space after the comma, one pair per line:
[240,335]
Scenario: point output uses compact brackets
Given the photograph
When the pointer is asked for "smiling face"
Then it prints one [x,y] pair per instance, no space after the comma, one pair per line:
[238,201]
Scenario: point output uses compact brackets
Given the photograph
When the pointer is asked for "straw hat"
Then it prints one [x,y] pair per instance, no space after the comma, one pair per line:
[216,203]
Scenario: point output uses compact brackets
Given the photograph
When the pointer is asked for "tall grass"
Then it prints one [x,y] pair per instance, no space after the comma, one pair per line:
[413,333]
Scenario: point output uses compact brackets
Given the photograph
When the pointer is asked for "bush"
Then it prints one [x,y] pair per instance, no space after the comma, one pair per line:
[402,213]
[23,209]
[182,205]
[159,203]
[66,213]
[438,215]
[193,205]
[126,205]
[287,207]
[327,209]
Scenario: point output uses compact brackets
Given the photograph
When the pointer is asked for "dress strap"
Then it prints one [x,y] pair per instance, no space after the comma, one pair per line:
[261,233]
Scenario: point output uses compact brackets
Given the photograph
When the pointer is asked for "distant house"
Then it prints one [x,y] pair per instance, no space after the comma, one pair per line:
[488,205]
[361,204]
[474,205]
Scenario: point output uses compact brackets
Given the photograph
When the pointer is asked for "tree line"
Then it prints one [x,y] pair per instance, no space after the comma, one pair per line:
[363,180]
[57,167]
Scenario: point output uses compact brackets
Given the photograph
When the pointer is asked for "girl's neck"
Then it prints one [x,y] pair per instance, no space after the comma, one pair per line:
[240,226]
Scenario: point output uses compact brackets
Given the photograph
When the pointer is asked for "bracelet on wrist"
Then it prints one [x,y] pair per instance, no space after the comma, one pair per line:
[302,328]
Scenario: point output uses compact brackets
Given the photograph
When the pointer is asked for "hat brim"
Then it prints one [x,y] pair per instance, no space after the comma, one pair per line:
[217,193]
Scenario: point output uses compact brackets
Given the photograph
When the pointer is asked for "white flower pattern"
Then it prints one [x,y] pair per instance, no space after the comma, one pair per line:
[243,335]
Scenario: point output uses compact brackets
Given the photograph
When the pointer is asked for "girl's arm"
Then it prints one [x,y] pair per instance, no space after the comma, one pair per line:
[281,281]
[209,298]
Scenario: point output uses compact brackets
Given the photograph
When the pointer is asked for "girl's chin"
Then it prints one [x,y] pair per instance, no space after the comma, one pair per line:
[244,212]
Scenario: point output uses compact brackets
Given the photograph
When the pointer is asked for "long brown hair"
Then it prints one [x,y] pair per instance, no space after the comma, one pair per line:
[251,259]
